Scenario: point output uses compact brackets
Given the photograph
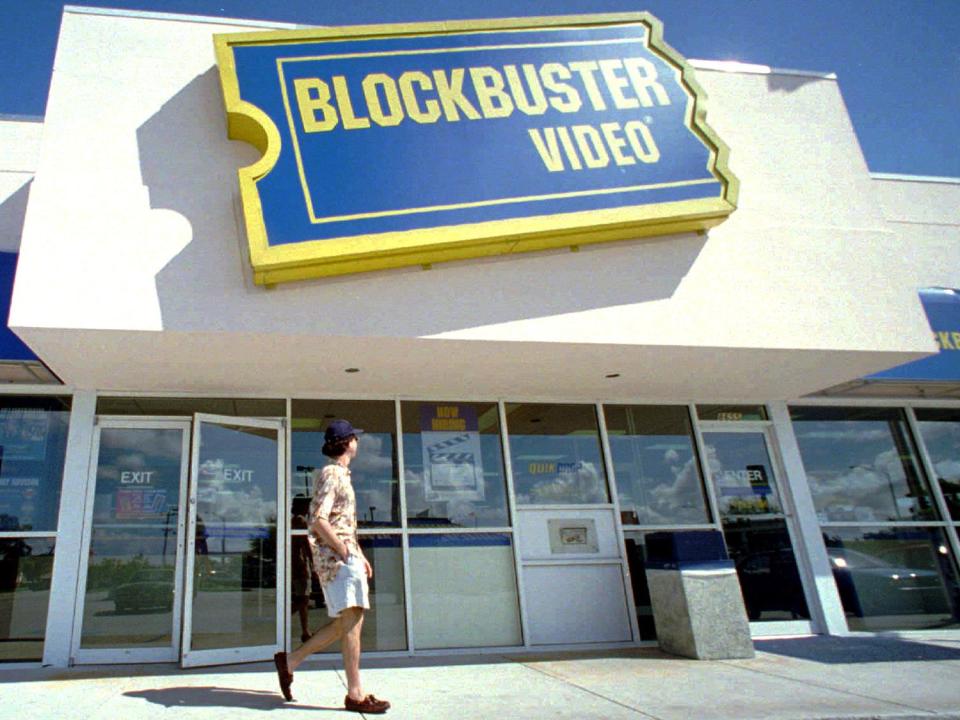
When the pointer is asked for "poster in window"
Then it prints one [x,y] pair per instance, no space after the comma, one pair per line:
[452,464]
[23,433]
[19,503]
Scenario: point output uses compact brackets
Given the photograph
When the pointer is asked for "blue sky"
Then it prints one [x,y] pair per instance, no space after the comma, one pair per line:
[898,61]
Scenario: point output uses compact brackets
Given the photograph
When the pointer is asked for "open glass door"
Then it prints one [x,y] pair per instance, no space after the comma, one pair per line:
[234,605]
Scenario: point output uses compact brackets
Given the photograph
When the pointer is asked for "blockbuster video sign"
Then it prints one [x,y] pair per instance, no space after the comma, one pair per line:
[396,145]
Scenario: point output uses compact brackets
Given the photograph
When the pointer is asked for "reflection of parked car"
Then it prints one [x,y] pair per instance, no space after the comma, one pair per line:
[770,582]
[149,590]
[870,585]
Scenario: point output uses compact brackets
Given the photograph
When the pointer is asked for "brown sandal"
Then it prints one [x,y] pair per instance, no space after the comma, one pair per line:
[369,704]
[283,675]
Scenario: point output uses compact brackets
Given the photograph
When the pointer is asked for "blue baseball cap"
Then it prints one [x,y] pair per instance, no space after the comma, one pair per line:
[340,430]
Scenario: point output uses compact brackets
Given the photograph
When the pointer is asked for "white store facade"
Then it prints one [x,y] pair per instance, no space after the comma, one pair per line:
[161,424]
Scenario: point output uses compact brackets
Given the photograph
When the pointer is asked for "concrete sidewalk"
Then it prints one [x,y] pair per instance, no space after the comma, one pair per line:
[816,677]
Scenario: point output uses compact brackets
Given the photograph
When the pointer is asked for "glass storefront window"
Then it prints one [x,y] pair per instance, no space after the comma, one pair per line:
[129,596]
[658,478]
[384,624]
[453,465]
[767,568]
[26,566]
[894,578]
[742,475]
[861,465]
[555,454]
[33,441]
[374,471]
[464,591]
[940,430]
[731,413]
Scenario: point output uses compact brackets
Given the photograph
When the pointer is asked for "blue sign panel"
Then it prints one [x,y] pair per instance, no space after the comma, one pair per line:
[407,144]
[11,347]
[943,312]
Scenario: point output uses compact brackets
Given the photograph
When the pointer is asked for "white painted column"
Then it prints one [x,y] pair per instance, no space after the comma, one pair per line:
[826,610]
[66,559]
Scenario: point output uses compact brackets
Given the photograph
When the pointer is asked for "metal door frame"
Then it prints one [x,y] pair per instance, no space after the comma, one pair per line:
[217,656]
[126,655]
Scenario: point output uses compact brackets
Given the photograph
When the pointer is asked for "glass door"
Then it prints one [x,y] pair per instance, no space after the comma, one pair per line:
[234,599]
[130,606]
[756,528]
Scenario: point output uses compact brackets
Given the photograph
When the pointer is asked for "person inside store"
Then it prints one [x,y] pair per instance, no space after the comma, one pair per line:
[342,567]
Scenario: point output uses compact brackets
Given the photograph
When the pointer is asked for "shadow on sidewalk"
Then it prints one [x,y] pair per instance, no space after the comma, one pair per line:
[853,650]
[212,696]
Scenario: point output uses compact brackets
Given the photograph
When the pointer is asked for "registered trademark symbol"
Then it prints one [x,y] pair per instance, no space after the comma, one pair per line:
[648,119]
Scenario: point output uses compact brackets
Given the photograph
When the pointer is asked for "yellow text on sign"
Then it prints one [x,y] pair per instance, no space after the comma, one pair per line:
[947,340]
[623,84]
[591,147]
[448,418]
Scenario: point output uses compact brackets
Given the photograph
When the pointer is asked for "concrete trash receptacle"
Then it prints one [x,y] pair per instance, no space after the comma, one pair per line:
[695,594]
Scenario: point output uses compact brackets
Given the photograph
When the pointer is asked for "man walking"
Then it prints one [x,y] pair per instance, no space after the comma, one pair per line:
[342,567]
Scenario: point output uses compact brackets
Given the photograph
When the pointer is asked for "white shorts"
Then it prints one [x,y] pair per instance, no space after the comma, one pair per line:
[348,589]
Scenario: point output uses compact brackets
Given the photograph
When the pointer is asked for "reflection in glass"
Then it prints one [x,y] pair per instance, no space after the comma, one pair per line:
[894,578]
[754,527]
[464,591]
[453,465]
[384,624]
[940,429]
[235,549]
[33,441]
[374,472]
[767,568]
[555,454]
[861,465]
[131,571]
[658,478]
[742,475]
[26,566]
[637,562]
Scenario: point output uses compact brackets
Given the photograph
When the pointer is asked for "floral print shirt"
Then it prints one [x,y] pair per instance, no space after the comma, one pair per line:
[333,501]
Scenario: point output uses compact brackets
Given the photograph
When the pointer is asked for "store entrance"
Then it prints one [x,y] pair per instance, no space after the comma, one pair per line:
[757,526]
[160,584]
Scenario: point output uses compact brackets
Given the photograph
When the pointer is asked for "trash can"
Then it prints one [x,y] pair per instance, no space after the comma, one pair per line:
[695,594]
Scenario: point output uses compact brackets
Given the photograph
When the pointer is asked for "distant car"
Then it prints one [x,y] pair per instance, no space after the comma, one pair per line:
[149,590]
[869,585]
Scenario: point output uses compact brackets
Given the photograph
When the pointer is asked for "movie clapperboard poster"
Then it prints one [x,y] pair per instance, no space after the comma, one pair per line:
[452,466]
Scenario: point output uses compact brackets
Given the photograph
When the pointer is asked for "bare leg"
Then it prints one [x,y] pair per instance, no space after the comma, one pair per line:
[350,648]
[322,638]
